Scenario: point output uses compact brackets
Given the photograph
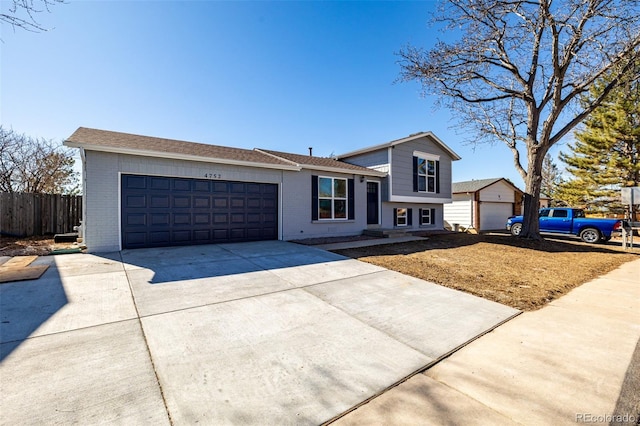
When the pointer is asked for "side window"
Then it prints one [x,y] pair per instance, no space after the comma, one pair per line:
[544,213]
[559,213]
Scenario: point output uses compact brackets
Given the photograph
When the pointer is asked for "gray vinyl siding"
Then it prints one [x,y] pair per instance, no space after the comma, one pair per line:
[369,159]
[102,188]
[402,168]
[296,208]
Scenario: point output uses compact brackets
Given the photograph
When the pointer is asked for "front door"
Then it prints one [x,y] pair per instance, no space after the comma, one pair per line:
[373,200]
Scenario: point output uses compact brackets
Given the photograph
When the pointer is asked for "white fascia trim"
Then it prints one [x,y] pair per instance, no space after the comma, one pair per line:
[177,156]
[426,156]
[444,146]
[421,200]
[367,172]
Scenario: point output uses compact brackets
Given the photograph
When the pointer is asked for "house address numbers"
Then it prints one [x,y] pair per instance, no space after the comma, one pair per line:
[213,175]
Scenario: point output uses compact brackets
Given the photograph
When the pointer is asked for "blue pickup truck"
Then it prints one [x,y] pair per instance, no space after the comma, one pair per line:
[570,221]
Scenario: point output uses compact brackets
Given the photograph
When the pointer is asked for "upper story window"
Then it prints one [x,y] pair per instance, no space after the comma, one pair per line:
[332,198]
[426,173]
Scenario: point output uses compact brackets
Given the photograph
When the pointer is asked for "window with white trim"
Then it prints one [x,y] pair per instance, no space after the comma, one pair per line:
[426,175]
[332,198]
[401,217]
[425,216]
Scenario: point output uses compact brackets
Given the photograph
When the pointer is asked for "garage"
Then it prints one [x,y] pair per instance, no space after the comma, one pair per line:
[169,211]
[493,216]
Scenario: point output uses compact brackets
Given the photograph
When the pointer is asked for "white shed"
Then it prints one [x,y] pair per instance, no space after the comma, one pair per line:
[483,204]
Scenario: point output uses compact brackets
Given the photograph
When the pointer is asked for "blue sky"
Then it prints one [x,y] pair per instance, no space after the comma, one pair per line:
[276,75]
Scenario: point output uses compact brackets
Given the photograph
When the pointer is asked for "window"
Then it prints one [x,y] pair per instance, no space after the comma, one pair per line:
[401,217]
[427,216]
[332,198]
[426,175]
[559,213]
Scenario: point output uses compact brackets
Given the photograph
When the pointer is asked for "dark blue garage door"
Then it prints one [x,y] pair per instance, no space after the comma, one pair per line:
[165,211]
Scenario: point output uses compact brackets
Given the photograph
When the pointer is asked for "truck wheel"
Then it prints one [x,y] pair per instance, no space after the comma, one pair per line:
[516,228]
[590,235]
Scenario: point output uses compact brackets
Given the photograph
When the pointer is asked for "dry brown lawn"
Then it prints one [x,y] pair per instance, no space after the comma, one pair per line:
[31,246]
[520,273]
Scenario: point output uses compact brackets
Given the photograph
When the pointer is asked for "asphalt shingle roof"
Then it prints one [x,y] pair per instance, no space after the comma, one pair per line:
[117,140]
[308,160]
[107,140]
[473,185]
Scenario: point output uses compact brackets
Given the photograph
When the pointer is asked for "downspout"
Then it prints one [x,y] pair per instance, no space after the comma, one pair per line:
[83,224]
[280,207]
[476,219]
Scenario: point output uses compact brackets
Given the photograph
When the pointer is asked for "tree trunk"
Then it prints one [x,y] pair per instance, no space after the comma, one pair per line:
[533,183]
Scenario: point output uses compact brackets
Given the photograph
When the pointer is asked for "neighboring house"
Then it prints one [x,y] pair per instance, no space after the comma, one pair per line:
[545,201]
[142,191]
[483,204]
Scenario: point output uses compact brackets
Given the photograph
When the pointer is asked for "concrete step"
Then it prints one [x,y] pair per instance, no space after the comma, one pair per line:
[387,233]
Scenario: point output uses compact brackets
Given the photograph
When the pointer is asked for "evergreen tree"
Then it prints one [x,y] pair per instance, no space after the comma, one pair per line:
[606,154]
[551,178]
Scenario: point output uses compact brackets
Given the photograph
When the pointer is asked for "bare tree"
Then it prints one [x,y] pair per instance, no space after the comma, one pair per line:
[35,165]
[22,13]
[518,69]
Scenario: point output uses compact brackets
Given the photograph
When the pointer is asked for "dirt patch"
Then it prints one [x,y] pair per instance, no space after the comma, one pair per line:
[33,246]
[520,273]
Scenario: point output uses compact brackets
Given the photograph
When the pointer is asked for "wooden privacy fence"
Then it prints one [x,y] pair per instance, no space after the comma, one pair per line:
[26,215]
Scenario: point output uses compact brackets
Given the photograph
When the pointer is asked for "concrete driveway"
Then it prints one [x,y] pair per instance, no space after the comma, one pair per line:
[251,333]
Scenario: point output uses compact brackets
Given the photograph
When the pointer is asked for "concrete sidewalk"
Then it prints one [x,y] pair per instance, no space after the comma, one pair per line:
[574,361]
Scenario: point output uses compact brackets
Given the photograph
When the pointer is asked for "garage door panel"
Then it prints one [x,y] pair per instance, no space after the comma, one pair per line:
[202,186]
[159,237]
[237,203]
[220,218]
[237,188]
[220,203]
[161,219]
[136,201]
[181,184]
[181,202]
[162,211]
[493,216]
[159,201]
[200,202]
[237,218]
[136,182]
[202,219]
[136,219]
[181,219]
[202,235]
[159,183]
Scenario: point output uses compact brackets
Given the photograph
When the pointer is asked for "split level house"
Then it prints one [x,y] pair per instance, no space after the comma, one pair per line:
[142,191]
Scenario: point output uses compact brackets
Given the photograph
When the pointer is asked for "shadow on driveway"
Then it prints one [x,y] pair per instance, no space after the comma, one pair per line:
[25,306]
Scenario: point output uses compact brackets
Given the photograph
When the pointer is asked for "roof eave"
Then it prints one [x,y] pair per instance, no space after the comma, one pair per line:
[444,146]
[178,156]
[364,172]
